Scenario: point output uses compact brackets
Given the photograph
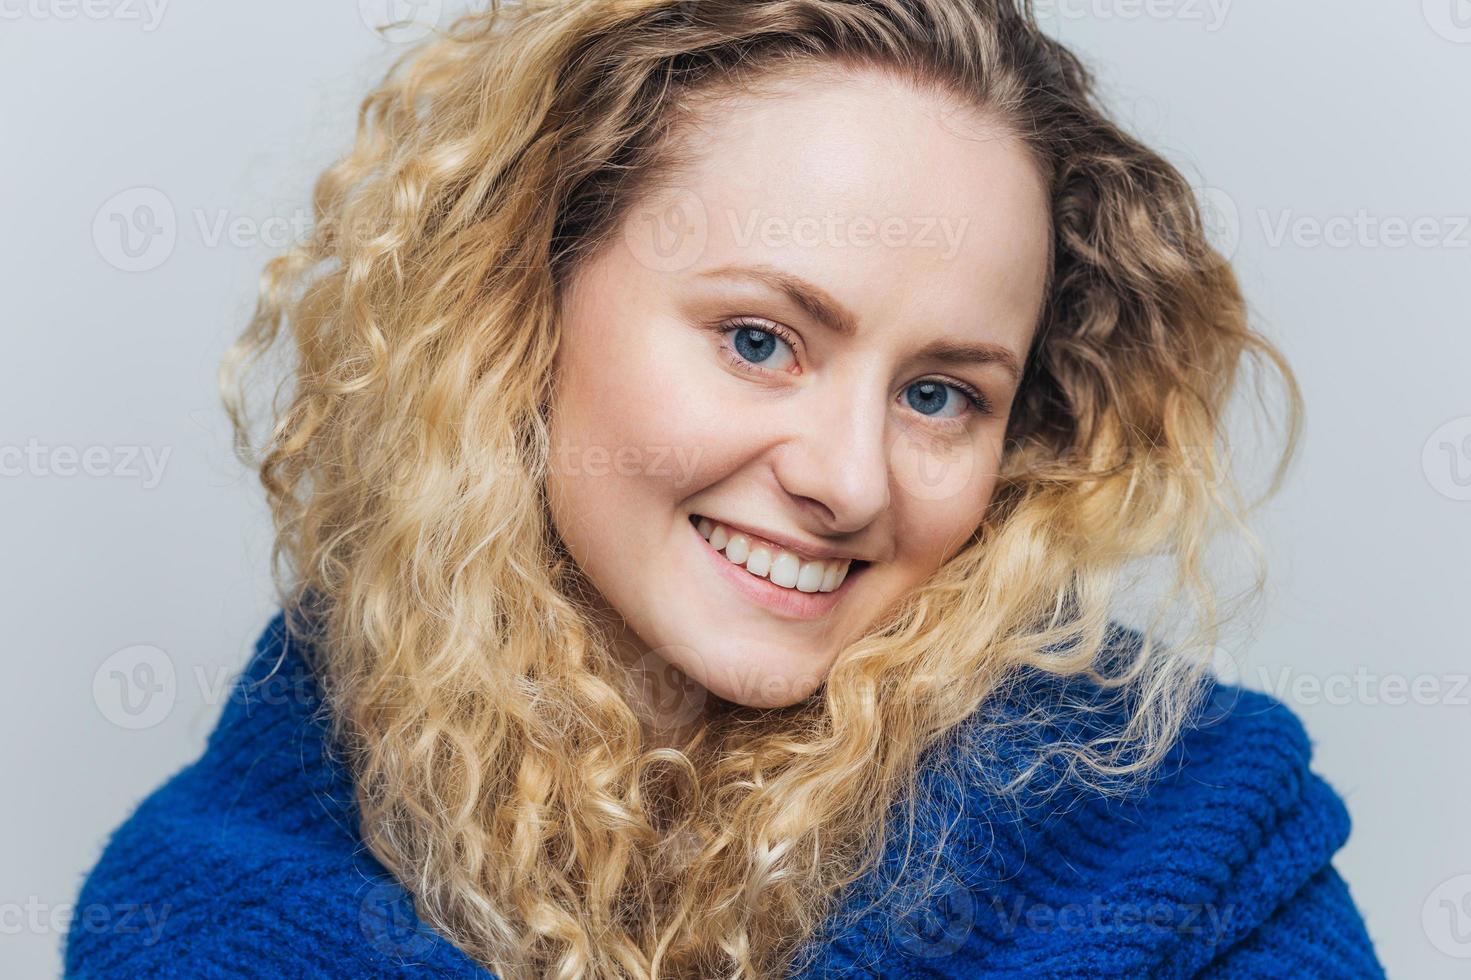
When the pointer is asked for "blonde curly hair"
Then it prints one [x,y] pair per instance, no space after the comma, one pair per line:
[501,773]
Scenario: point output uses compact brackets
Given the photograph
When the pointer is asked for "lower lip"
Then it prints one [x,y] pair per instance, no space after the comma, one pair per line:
[787,603]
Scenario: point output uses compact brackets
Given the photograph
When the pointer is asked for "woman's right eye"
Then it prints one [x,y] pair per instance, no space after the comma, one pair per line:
[758,347]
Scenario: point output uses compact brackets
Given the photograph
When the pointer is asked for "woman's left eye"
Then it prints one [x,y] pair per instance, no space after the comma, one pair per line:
[932,397]
[761,347]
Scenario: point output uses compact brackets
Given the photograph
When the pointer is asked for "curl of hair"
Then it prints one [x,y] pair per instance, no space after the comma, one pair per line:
[500,771]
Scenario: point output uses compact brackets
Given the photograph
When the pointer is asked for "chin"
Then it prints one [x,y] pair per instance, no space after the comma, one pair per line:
[748,681]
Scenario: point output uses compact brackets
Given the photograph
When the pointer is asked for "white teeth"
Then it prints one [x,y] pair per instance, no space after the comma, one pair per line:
[783,567]
[811,576]
[759,562]
[738,548]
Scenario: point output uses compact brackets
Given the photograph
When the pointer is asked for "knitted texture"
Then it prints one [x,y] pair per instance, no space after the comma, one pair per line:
[249,862]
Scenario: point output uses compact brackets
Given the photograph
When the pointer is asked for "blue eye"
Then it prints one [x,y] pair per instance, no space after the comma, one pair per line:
[932,397]
[758,346]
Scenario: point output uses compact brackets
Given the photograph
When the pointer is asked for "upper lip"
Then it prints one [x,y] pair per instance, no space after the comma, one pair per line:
[813,552]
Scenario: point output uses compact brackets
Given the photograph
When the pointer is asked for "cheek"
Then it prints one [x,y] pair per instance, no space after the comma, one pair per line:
[945,483]
[940,501]
[634,419]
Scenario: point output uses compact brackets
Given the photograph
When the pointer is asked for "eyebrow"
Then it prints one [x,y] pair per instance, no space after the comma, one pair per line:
[820,306]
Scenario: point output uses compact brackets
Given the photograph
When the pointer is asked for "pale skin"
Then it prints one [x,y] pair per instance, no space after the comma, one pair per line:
[716,393]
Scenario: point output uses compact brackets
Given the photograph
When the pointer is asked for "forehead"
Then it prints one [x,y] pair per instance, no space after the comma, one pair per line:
[914,213]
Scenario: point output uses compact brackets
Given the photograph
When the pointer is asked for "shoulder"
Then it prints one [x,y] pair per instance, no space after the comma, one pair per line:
[247,862]
[1233,743]
[1230,836]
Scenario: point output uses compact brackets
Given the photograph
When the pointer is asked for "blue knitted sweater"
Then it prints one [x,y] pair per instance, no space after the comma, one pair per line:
[248,863]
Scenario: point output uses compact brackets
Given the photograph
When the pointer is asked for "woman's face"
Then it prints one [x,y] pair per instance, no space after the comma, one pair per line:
[786,345]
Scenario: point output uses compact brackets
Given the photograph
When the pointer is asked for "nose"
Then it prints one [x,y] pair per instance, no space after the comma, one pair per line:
[837,464]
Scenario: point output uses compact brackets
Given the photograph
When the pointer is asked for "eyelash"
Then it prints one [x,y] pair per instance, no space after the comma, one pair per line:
[978,401]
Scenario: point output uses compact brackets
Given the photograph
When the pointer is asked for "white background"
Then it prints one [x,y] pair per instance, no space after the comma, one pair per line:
[1311,127]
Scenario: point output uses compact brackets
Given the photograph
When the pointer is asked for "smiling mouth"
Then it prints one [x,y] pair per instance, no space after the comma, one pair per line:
[778,566]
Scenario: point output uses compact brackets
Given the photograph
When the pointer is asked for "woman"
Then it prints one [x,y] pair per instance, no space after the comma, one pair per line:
[718,434]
